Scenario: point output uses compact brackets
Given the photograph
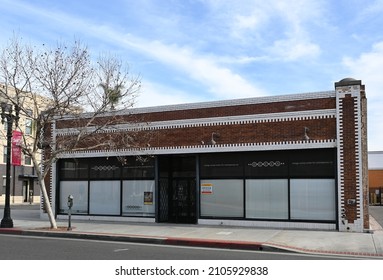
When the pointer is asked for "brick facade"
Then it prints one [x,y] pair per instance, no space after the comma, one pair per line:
[352,151]
[375,177]
[333,119]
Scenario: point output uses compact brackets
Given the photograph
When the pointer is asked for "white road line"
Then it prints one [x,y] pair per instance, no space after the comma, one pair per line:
[121,250]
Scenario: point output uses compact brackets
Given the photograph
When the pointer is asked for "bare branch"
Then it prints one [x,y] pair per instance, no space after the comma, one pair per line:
[62,83]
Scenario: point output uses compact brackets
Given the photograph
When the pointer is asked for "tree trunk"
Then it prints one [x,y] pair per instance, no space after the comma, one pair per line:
[47,204]
[43,189]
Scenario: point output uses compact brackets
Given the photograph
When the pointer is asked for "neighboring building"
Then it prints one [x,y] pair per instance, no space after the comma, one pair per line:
[24,184]
[375,177]
[290,161]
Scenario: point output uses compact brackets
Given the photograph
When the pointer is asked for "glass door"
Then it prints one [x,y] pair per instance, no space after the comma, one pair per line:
[183,201]
[177,189]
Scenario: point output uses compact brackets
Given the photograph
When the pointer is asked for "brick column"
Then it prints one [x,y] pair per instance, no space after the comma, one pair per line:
[352,160]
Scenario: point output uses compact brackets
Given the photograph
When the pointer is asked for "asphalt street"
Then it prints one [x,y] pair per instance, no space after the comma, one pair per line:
[43,248]
[377,213]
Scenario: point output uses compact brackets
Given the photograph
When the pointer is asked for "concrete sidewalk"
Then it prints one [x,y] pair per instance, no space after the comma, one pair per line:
[368,245]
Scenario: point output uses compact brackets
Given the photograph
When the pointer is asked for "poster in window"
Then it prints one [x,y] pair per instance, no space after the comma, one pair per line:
[148,198]
[207,188]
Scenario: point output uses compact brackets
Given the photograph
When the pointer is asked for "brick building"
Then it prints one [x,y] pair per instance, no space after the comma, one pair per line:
[375,177]
[23,180]
[291,161]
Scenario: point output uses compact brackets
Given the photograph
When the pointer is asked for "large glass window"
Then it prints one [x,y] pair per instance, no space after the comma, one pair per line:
[135,168]
[105,168]
[267,199]
[28,127]
[138,198]
[79,191]
[270,164]
[27,160]
[104,198]
[313,163]
[312,199]
[71,169]
[221,165]
[222,198]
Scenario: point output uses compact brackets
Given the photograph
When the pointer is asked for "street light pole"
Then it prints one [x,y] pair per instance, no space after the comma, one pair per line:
[9,118]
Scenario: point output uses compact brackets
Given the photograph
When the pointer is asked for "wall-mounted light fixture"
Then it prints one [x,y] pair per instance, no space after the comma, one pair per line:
[213,136]
[305,131]
[213,139]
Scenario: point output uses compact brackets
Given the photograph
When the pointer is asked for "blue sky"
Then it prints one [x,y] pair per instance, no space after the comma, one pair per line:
[204,50]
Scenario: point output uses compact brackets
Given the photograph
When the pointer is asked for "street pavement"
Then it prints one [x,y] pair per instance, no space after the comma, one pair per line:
[366,245]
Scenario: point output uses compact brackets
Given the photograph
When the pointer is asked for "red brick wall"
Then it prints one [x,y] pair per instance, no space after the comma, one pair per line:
[348,117]
[263,108]
[352,145]
[263,132]
[237,110]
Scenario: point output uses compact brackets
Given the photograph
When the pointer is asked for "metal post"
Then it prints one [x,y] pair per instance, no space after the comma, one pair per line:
[7,221]
[69,219]
[70,204]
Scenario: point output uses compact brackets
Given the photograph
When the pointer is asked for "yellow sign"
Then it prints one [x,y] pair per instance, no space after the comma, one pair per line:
[207,189]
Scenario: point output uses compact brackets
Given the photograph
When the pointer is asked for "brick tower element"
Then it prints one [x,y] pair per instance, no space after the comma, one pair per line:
[351,104]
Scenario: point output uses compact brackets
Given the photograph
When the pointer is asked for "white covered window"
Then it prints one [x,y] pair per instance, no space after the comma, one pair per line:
[104,198]
[222,198]
[267,199]
[312,199]
[138,198]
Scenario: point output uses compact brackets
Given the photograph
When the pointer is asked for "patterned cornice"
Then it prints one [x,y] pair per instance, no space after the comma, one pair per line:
[228,120]
[222,103]
[149,151]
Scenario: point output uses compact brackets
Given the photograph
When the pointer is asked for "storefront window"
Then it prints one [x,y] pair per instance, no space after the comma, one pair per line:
[104,198]
[138,198]
[138,168]
[274,185]
[79,191]
[312,199]
[271,164]
[222,166]
[105,168]
[71,169]
[222,198]
[313,163]
[267,199]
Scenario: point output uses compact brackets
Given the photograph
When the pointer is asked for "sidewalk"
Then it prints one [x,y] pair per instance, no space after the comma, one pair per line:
[369,245]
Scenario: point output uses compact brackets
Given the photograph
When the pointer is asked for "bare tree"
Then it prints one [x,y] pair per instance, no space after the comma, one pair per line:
[63,82]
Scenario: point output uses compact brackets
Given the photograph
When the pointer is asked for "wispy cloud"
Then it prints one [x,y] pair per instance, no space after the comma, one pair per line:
[220,81]
[157,94]
[189,51]
[369,67]
[293,48]
[273,29]
[373,8]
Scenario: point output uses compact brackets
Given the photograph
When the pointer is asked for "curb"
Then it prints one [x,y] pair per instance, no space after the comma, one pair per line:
[84,235]
[171,241]
[326,252]
[14,231]
[214,243]
[192,242]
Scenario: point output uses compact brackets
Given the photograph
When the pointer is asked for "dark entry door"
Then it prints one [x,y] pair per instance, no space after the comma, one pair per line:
[177,189]
[183,202]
